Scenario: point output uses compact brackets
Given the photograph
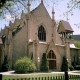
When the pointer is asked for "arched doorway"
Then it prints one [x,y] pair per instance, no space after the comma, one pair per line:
[51,60]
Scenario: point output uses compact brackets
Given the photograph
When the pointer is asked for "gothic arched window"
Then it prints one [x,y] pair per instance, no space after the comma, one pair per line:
[41,33]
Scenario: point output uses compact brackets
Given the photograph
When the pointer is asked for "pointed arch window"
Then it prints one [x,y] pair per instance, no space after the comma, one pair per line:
[41,33]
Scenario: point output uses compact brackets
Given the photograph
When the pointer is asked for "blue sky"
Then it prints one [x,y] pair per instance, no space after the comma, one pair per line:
[60,9]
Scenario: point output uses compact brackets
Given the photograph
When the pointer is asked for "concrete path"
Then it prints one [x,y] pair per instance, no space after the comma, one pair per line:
[70,72]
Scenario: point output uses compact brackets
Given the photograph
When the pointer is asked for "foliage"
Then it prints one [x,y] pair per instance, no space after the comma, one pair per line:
[74,64]
[24,65]
[44,64]
[70,67]
[13,7]
[77,67]
[77,44]
[5,65]
[35,76]
[64,66]
[72,4]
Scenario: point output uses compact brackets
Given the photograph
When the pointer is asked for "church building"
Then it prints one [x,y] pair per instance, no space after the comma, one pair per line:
[36,33]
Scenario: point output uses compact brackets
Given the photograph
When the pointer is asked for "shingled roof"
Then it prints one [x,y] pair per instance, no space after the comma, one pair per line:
[64,26]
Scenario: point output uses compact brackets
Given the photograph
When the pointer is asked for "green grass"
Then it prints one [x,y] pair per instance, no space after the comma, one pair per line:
[76,72]
[19,76]
[36,75]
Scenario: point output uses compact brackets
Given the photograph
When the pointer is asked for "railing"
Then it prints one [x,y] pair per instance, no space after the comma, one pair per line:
[71,77]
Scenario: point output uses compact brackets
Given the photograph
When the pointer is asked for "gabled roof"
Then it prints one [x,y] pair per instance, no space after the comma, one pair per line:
[40,10]
[41,4]
[64,26]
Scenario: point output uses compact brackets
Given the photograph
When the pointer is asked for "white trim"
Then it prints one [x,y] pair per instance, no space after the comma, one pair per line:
[59,44]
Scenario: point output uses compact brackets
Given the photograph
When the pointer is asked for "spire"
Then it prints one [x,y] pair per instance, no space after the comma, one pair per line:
[5,26]
[1,29]
[28,6]
[22,14]
[22,11]
[53,13]
[41,1]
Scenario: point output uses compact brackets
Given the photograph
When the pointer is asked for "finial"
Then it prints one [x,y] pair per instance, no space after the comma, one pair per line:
[41,1]
[28,6]
[22,11]
[5,26]
[1,28]
[22,14]
[53,13]
[10,23]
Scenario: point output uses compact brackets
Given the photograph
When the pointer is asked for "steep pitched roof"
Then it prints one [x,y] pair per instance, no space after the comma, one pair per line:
[41,4]
[40,9]
[64,26]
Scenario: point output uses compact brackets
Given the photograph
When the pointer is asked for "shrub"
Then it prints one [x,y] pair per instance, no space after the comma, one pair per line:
[77,67]
[74,64]
[64,66]
[70,67]
[5,64]
[44,64]
[24,65]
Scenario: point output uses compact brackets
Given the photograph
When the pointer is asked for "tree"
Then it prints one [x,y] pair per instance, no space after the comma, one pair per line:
[13,7]
[44,63]
[77,44]
[5,65]
[72,4]
[64,66]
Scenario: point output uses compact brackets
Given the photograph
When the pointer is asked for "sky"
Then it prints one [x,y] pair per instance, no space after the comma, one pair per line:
[60,9]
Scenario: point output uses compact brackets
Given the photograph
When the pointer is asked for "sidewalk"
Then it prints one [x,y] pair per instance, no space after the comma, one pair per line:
[70,72]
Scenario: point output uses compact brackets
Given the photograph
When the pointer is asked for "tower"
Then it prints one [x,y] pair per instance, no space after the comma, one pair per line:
[65,31]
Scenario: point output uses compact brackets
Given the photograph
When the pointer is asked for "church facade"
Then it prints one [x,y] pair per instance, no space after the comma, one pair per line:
[36,33]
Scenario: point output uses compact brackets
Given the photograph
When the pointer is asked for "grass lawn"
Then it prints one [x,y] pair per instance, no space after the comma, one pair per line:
[19,76]
[37,75]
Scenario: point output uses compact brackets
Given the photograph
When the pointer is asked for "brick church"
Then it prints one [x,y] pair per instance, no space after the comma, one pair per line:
[36,33]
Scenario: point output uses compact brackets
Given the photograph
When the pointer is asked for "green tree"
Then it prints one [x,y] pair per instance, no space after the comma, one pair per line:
[13,7]
[5,65]
[44,63]
[64,66]
[77,44]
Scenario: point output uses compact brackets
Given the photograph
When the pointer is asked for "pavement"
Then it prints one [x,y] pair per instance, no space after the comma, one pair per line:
[69,72]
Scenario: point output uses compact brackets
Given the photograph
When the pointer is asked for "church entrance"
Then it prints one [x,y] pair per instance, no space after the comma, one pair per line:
[51,60]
